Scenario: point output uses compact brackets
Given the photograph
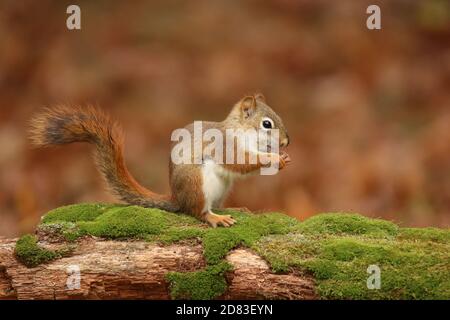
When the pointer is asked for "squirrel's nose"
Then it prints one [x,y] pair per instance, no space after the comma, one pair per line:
[285,142]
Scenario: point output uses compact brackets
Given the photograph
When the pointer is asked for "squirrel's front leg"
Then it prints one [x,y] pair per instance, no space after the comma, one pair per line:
[280,160]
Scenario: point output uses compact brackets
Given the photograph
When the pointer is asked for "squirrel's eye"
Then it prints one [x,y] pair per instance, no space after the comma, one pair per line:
[267,123]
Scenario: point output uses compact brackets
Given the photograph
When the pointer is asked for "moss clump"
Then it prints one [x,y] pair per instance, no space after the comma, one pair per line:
[68,231]
[128,222]
[346,223]
[76,213]
[31,254]
[120,222]
[336,248]
[408,270]
[411,267]
[199,285]
[420,234]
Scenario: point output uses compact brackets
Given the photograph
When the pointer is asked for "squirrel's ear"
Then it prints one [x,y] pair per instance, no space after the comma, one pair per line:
[248,106]
[259,96]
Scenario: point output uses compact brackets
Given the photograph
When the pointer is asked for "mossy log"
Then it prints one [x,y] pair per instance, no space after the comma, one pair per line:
[96,251]
[137,270]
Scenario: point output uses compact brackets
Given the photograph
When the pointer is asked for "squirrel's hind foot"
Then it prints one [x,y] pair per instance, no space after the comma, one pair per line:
[215,220]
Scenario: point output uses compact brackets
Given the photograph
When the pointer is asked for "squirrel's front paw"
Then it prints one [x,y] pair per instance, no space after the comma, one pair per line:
[282,159]
[285,157]
[215,220]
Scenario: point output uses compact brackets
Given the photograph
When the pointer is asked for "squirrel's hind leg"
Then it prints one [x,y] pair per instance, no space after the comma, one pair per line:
[214,188]
[196,198]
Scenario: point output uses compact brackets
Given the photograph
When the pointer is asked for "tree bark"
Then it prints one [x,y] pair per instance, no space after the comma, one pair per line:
[136,270]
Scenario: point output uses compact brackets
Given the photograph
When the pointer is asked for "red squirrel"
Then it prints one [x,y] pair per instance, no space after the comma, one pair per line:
[196,188]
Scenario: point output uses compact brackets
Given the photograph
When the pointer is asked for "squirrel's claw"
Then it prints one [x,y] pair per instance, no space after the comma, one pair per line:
[284,160]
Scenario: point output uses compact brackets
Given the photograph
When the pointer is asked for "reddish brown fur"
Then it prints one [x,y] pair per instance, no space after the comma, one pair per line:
[62,125]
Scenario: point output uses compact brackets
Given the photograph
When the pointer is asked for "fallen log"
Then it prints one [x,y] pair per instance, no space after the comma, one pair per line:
[136,270]
[102,251]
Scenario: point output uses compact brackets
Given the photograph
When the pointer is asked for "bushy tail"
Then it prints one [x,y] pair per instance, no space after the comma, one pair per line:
[63,125]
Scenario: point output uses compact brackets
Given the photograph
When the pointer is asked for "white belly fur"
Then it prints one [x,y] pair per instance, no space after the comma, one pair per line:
[216,183]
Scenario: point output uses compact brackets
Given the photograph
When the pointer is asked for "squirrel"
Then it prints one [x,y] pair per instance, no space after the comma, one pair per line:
[196,188]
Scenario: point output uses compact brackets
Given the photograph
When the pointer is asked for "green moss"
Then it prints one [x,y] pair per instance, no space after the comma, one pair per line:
[122,222]
[413,265]
[346,223]
[128,222]
[67,230]
[199,285]
[157,225]
[116,222]
[76,213]
[351,249]
[248,229]
[175,234]
[31,254]
[336,248]
[419,234]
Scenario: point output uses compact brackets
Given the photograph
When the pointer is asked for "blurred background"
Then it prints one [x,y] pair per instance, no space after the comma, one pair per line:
[368,112]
